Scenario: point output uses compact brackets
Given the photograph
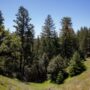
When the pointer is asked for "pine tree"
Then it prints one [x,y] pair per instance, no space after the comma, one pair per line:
[37,44]
[84,40]
[49,38]
[68,38]
[76,65]
[1,19]
[25,31]
[55,70]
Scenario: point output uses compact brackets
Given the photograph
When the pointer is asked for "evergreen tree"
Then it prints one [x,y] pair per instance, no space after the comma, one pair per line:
[84,40]
[37,44]
[68,38]
[76,65]
[1,19]
[1,27]
[49,38]
[25,31]
[88,45]
[55,69]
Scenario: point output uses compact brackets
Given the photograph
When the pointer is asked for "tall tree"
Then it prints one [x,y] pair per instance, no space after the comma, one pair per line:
[48,37]
[1,27]
[25,30]
[68,38]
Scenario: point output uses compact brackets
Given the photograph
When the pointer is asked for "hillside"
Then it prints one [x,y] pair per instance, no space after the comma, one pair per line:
[80,82]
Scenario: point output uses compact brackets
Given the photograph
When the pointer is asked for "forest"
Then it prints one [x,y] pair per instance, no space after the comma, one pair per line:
[51,56]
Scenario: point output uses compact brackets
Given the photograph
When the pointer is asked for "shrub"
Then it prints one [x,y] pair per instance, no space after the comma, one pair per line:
[76,65]
[55,70]
[55,64]
[59,78]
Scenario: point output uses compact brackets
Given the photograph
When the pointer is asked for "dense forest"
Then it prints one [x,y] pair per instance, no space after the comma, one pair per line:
[50,56]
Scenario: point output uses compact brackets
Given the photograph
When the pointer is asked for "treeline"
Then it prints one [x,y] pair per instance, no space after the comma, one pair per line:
[47,57]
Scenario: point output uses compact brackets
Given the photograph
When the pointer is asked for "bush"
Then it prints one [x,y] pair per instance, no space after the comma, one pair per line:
[55,70]
[62,75]
[76,65]
[55,64]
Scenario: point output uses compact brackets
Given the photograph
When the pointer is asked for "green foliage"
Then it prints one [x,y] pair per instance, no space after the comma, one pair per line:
[24,30]
[84,41]
[1,19]
[43,64]
[55,69]
[76,65]
[55,64]
[10,54]
[49,41]
[44,60]
[61,76]
[37,44]
[68,38]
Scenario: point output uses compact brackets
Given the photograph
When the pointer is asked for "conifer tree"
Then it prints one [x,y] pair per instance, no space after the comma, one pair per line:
[25,31]
[68,38]
[48,38]
[76,65]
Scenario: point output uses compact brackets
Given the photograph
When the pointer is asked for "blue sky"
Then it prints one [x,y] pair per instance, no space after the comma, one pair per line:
[78,10]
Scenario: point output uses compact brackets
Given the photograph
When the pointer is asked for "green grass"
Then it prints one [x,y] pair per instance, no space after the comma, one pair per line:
[80,82]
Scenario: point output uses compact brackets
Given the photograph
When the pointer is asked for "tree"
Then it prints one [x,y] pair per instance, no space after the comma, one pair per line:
[68,38]
[88,45]
[43,64]
[9,53]
[49,38]
[61,76]
[83,36]
[2,38]
[37,44]
[55,69]
[24,30]
[1,19]
[3,49]
[76,66]
[1,27]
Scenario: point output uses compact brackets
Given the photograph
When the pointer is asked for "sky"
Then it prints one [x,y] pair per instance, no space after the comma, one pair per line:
[78,10]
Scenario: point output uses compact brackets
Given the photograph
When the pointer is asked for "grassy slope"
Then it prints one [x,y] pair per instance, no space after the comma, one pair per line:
[80,82]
